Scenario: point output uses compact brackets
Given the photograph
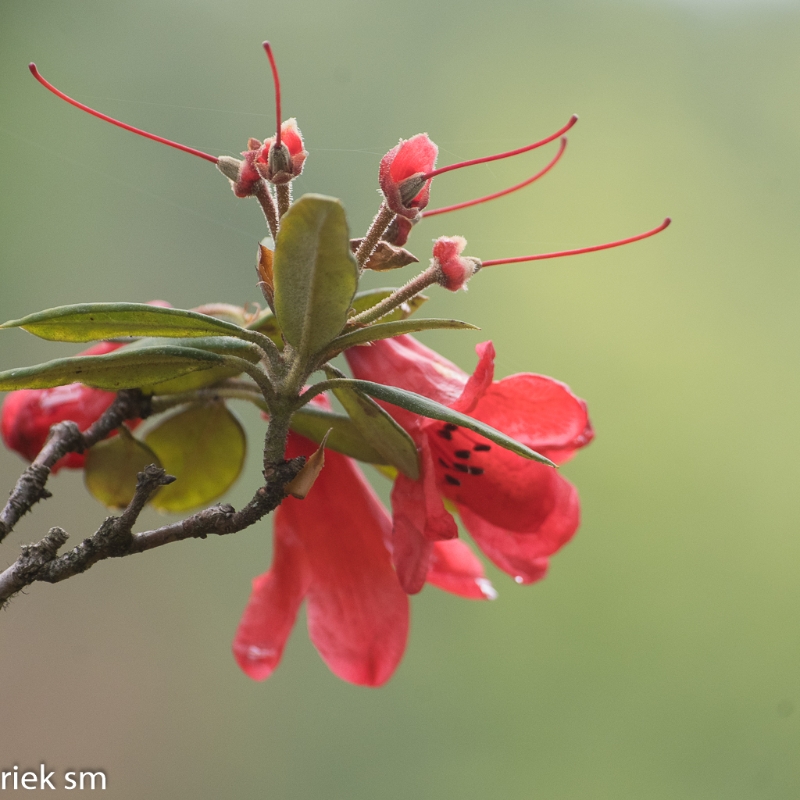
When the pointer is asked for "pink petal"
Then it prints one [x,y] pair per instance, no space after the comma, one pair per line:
[273,605]
[456,569]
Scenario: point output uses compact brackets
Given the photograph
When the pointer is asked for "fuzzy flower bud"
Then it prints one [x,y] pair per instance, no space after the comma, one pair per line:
[282,163]
[402,175]
[454,269]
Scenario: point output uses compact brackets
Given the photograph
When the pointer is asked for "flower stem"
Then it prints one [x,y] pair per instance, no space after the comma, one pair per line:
[284,192]
[381,222]
[403,294]
[267,204]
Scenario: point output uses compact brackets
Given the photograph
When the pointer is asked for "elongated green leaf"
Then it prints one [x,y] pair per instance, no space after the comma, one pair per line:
[122,369]
[425,407]
[364,300]
[221,345]
[204,447]
[380,430]
[88,321]
[112,466]
[315,273]
[386,330]
[314,423]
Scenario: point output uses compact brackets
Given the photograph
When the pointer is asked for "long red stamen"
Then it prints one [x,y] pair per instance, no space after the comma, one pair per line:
[542,256]
[268,50]
[572,120]
[495,195]
[124,125]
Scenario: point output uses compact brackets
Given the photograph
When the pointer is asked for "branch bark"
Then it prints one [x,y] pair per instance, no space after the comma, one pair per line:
[115,537]
[66,437]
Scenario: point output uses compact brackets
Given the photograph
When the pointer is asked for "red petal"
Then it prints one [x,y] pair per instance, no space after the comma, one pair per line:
[510,491]
[456,569]
[291,137]
[524,555]
[406,363]
[419,518]
[410,157]
[357,612]
[417,154]
[538,411]
[28,414]
[480,380]
[273,605]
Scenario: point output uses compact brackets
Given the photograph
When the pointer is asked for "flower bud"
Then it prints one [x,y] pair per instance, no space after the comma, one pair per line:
[402,175]
[282,163]
[453,268]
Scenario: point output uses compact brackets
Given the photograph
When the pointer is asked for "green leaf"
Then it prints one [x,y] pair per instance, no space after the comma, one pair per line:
[112,466]
[267,323]
[204,447]
[380,430]
[425,407]
[221,345]
[364,300]
[89,321]
[315,273]
[123,369]
[314,423]
[387,330]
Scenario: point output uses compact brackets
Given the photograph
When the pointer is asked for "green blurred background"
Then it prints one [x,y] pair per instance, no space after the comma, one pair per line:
[660,657]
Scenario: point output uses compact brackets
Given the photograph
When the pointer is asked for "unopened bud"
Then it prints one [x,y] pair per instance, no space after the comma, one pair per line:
[229,167]
[411,187]
[454,270]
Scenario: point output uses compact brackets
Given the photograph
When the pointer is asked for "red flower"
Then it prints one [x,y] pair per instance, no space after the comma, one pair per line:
[519,512]
[331,549]
[401,175]
[28,414]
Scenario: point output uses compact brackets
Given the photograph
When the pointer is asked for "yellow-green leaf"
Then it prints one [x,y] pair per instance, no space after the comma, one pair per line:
[380,430]
[387,330]
[204,447]
[314,423]
[86,322]
[364,300]
[123,369]
[112,466]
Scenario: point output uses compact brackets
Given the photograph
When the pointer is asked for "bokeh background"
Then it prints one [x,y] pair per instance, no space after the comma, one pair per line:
[660,657]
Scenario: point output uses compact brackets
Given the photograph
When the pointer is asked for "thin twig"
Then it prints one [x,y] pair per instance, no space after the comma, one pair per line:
[381,222]
[66,437]
[115,539]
